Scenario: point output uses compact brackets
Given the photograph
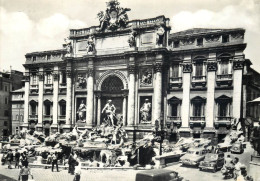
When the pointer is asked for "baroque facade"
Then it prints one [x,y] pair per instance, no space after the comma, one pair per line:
[136,72]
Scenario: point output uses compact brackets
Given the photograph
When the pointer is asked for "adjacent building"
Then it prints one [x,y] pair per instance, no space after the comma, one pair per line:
[9,81]
[136,72]
[17,103]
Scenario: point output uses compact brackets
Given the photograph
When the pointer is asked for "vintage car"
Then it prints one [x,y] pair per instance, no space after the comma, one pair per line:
[193,156]
[158,175]
[212,161]
[237,147]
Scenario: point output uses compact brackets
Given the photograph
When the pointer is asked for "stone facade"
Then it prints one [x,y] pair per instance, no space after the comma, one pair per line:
[9,81]
[192,80]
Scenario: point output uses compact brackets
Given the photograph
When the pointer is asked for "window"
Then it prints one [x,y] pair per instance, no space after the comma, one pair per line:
[197,109]
[225,38]
[6,113]
[21,117]
[174,110]
[199,41]
[223,103]
[47,109]
[6,100]
[63,109]
[176,44]
[63,77]
[33,107]
[48,57]
[34,59]
[174,107]
[175,71]
[224,67]
[223,109]
[5,123]
[198,106]
[198,69]
[49,79]
[6,88]
[34,80]
[17,117]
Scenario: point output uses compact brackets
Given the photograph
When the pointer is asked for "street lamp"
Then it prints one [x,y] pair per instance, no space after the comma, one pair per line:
[160,133]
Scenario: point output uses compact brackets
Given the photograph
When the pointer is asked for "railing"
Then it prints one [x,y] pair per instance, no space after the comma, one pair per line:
[224,77]
[200,78]
[175,79]
[197,118]
[48,86]
[63,85]
[47,117]
[62,117]
[33,86]
[224,118]
[174,118]
[33,116]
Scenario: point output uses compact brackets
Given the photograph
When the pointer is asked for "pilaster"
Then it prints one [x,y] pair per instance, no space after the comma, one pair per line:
[40,96]
[55,95]
[187,70]
[211,79]
[158,88]
[90,96]
[26,97]
[131,95]
[238,66]
[68,97]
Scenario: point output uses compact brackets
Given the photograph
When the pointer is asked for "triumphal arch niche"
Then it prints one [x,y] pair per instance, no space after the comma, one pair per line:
[120,67]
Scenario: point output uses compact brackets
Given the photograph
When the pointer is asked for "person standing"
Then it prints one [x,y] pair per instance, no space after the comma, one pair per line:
[17,158]
[77,171]
[10,157]
[70,162]
[55,161]
[24,173]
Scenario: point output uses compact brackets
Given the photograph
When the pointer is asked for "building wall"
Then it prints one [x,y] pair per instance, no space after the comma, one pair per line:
[8,82]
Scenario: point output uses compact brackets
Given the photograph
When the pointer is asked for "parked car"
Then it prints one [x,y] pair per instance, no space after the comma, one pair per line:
[212,161]
[237,147]
[193,156]
[158,175]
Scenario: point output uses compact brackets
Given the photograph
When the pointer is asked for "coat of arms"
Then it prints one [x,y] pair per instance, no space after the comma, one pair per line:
[114,17]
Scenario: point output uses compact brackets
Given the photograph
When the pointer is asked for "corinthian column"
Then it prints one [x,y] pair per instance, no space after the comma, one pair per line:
[40,98]
[90,97]
[68,98]
[211,68]
[157,91]
[26,99]
[55,95]
[131,95]
[238,66]
[187,69]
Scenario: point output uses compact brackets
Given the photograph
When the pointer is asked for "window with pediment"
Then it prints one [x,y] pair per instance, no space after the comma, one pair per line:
[198,106]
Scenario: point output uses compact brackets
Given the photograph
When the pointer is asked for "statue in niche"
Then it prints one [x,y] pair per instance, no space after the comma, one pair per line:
[159,36]
[68,46]
[114,17]
[82,112]
[131,39]
[146,111]
[110,111]
[146,78]
[90,45]
[81,82]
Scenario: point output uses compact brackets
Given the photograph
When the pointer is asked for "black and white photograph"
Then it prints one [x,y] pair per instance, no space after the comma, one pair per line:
[120,90]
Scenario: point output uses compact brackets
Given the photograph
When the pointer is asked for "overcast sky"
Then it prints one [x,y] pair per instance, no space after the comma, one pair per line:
[38,25]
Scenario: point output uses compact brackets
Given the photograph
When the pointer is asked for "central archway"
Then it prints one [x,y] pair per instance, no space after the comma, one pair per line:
[112,89]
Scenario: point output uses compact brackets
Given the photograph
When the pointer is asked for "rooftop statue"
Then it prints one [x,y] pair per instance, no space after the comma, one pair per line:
[114,17]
